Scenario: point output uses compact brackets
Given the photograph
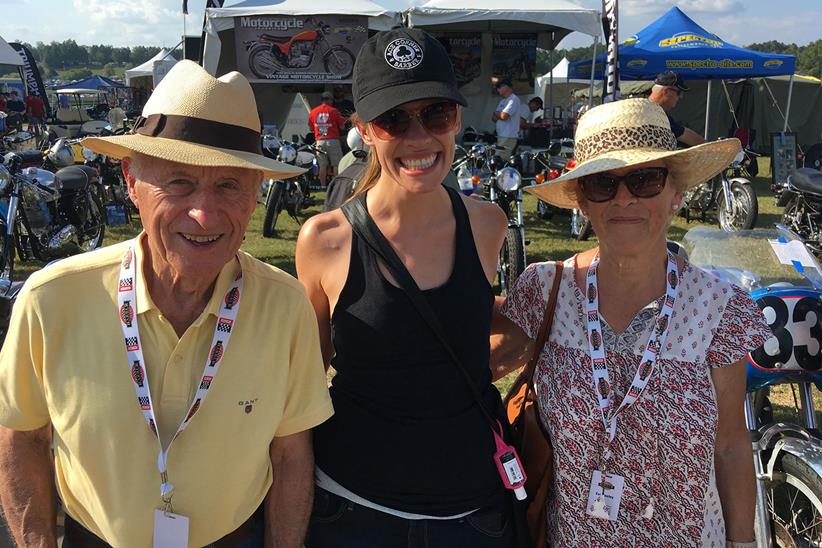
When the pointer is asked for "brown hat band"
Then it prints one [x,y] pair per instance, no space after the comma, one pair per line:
[624,138]
[200,131]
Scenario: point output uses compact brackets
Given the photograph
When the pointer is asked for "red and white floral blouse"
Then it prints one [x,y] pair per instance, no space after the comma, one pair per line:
[664,445]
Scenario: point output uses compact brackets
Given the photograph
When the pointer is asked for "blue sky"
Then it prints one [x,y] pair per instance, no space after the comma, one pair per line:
[160,22]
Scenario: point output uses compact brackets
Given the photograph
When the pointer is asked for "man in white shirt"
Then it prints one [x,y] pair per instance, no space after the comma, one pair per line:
[506,117]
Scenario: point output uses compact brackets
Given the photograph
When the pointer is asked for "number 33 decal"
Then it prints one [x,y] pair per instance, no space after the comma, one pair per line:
[796,322]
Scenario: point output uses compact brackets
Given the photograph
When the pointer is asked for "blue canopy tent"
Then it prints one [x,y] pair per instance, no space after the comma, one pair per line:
[95,82]
[676,42]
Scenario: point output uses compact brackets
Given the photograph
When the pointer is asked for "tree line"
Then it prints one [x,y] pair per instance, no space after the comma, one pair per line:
[808,57]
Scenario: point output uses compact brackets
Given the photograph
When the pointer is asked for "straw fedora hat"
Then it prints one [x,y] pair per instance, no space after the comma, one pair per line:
[194,118]
[630,132]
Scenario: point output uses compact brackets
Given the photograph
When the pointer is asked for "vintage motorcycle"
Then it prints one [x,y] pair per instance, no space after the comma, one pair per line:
[480,168]
[270,54]
[730,193]
[46,215]
[786,282]
[802,199]
[291,195]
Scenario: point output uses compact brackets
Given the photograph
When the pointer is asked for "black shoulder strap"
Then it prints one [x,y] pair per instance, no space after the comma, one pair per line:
[365,228]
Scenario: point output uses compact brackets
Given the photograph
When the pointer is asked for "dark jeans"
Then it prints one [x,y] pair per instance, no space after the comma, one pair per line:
[339,523]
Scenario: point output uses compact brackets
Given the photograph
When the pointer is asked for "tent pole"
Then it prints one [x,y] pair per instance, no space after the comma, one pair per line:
[730,103]
[593,66]
[708,108]
[788,108]
[551,83]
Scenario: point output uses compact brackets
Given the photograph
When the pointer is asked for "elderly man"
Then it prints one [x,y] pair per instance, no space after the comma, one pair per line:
[667,91]
[111,355]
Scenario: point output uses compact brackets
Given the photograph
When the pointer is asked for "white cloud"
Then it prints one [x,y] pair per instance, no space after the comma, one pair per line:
[116,12]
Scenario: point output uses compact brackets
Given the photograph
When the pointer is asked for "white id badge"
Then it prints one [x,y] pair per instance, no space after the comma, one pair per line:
[605,503]
[170,530]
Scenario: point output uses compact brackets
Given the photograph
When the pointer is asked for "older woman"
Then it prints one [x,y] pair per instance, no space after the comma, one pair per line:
[641,383]
[407,458]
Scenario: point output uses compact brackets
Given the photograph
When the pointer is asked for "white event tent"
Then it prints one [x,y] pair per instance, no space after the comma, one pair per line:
[8,56]
[550,20]
[147,68]
[556,88]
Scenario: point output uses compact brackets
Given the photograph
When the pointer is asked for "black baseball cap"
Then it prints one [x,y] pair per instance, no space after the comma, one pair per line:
[399,66]
[672,80]
[504,82]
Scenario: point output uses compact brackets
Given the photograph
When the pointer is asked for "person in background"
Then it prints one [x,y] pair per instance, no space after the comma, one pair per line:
[532,113]
[115,412]
[36,112]
[16,111]
[3,106]
[341,103]
[506,118]
[407,460]
[327,124]
[668,89]
[641,383]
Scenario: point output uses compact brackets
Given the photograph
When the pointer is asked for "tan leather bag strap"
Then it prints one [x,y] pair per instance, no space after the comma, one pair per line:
[544,330]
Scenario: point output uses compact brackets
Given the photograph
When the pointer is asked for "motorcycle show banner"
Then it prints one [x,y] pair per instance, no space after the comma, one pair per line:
[610,27]
[31,75]
[514,56]
[465,51]
[299,49]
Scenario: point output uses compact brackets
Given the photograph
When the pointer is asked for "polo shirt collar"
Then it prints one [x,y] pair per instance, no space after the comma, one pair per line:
[145,303]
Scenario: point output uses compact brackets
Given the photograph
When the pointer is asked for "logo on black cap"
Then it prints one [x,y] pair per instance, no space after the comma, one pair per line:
[403,54]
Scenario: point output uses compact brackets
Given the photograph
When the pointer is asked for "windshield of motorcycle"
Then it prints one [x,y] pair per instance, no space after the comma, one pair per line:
[785,281]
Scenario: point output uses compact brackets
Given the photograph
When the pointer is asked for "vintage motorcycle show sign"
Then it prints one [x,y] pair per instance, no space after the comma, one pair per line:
[465,51]
[295,49]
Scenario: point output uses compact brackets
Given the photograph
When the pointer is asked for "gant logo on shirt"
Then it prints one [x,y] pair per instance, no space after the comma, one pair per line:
[247,405]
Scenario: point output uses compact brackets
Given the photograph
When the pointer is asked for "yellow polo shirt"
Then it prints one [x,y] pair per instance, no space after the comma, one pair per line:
[64,362]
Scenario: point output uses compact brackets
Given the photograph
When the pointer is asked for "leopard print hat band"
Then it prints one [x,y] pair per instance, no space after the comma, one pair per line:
[631,132]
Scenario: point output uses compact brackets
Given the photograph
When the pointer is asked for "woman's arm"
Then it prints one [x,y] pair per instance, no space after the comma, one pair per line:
[511,347]
[733,456]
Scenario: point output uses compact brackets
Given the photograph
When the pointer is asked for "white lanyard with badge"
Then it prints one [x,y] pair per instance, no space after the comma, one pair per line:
[605,494]
[170,529]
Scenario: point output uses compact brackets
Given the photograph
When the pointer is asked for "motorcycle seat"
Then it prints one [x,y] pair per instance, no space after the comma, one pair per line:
[277,39]
[806,180]
[76,177]
[30,157]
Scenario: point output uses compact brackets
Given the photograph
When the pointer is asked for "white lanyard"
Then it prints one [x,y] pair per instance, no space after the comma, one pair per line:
[127,299]
[596,347]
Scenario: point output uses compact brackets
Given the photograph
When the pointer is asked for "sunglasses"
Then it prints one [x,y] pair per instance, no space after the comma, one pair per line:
[436,118]
[642,183]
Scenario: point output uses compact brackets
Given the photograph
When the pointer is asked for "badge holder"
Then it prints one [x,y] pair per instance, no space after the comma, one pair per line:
[510,468]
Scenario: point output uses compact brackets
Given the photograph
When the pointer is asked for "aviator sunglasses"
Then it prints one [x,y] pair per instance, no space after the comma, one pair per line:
[436,118]
[642,183]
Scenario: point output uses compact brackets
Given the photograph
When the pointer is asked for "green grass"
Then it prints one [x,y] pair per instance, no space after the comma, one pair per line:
[548,240]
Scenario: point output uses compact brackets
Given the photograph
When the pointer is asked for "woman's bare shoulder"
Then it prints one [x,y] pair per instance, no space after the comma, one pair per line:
[485,215]
[326,232]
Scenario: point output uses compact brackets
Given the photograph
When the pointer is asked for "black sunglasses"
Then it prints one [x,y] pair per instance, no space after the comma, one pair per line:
[436,118]
[642,183]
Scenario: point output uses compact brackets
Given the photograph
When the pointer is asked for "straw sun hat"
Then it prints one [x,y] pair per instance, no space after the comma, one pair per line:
[194,118]
[630,132]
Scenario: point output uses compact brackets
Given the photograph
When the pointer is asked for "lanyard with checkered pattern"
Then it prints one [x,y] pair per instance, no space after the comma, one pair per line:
[127,299]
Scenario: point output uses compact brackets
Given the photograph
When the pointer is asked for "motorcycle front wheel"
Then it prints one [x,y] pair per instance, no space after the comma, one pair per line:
[744,208]
[273,206]
[580,226]
[794,500]
[261,61]
[339,62]
[511,259]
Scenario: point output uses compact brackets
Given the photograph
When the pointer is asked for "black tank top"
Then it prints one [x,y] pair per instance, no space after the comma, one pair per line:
[406,431]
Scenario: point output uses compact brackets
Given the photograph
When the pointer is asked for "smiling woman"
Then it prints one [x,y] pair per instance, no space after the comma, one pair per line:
[387,409]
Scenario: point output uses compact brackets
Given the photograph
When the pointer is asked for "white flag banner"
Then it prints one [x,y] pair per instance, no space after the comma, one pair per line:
[610,23]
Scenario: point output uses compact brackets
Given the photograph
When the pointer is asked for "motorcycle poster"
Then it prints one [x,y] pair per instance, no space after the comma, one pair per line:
[514,56]
[299,49]
[783,157]
[465,51]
